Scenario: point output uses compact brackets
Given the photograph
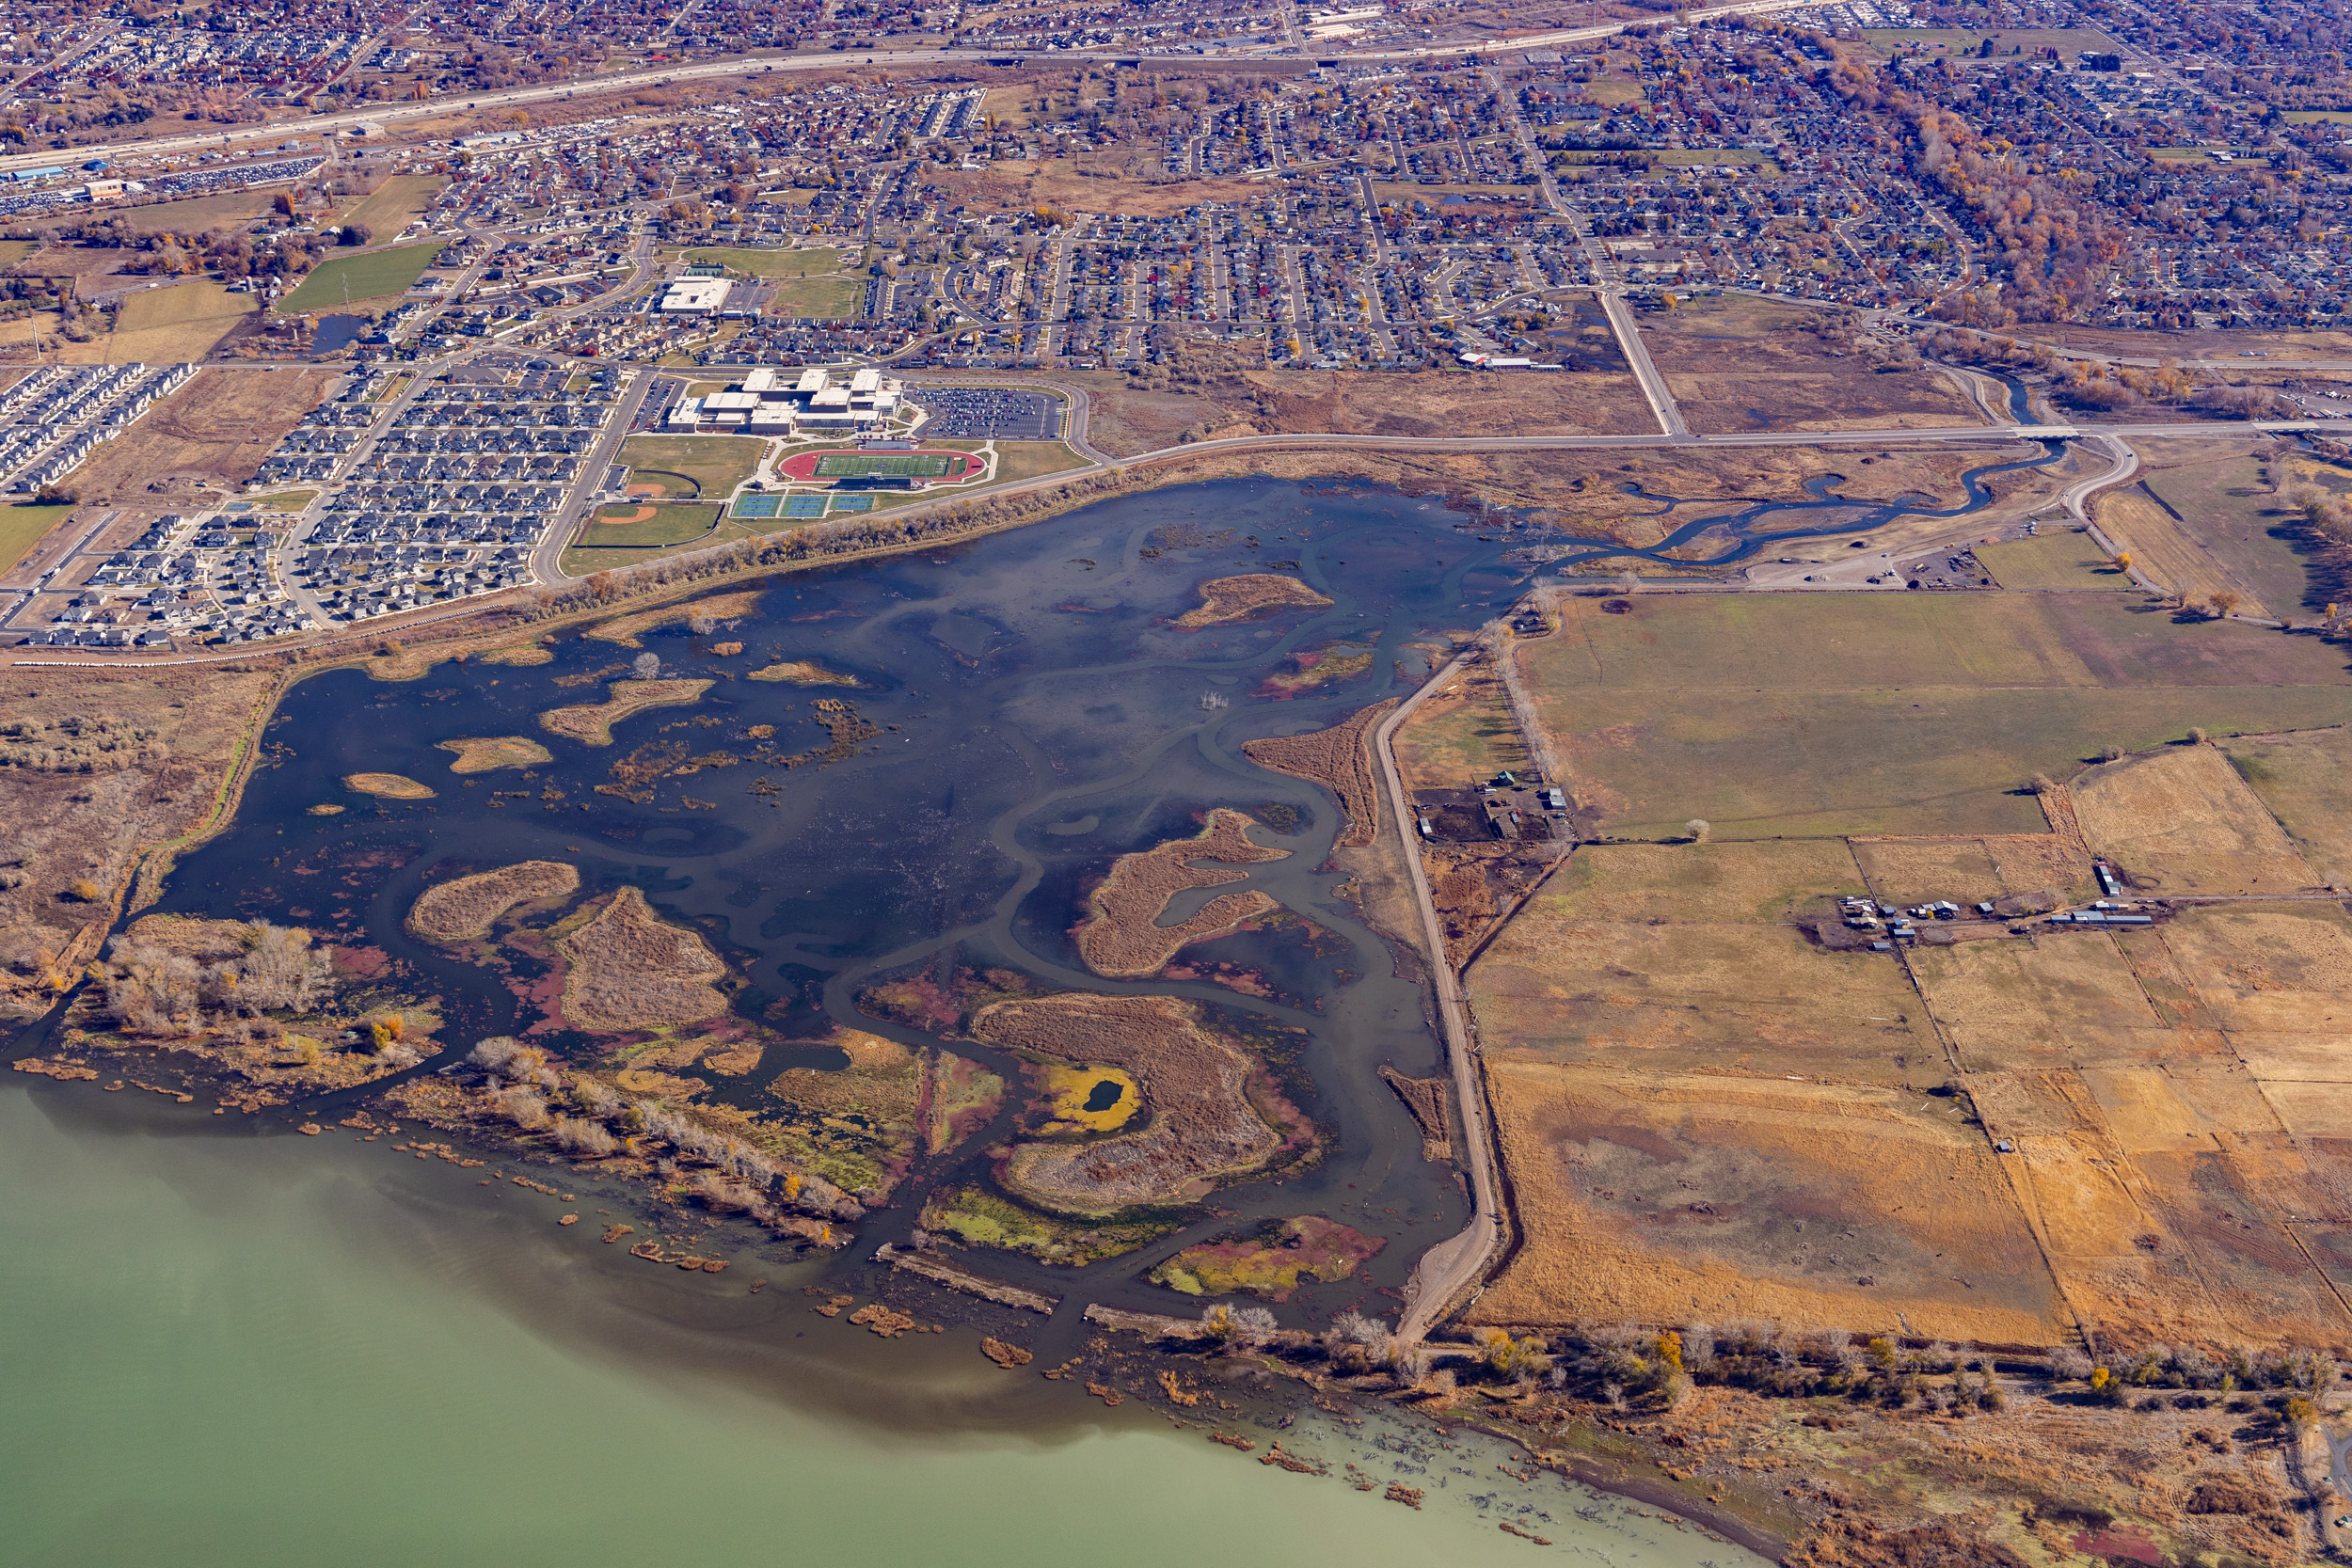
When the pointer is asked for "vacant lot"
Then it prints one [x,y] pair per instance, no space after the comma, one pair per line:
[179,324]
[1736,363]
[199,213]
[356,280]
[763,263]
[1767,714]
[826,296]
[2300,778]
[218,428]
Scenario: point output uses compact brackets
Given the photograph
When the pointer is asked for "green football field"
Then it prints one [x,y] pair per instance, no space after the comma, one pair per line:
[888,464]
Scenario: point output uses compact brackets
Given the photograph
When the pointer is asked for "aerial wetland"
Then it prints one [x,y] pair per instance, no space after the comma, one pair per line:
[753,1018]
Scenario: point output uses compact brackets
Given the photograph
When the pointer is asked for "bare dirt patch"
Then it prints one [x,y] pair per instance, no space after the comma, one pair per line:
[592,722]
[216,429]
[464,907]
[630,969]
[1338,759]
[1123,939]
[487,754]
[1195,1085]
[1224,599]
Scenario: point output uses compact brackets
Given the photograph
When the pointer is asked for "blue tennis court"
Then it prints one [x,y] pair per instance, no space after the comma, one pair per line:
[853,503]
[758,506]
[804,506]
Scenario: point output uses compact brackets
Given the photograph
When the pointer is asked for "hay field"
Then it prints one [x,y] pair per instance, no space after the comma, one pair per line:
[2238,507]
[2185,815]
[1856,714]
[179,324]
[2063,559]
[2167,551]
[1678,1198]
[356,280]
[2300,778]
[1705,1114]
[1971,869]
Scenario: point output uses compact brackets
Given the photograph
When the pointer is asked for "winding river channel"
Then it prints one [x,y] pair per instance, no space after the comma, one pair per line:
[260,1348]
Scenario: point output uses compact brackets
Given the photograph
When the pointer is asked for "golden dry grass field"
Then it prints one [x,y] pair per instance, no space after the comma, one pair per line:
[1705,1114]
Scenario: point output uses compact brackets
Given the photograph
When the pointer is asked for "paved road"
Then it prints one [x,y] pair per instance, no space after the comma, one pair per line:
[1451,1266]
[548,555]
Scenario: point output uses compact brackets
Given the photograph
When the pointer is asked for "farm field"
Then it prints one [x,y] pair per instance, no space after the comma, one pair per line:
[1706,1113]
[370,275]
[178,324]
[2300,778]
[1460,734]
[2165,550]
[2242,510]
[2065,560]
[1768,715]
[395,204]
[196,213]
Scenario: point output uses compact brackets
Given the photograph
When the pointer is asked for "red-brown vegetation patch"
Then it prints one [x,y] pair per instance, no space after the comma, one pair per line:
[1123,939]
[1273,1263]
[630,969]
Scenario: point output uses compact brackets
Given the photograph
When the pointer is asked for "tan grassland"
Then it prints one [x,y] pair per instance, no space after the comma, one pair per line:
[190,937]
[1705,1114]
[1194,1087]
[1123,939]
[630,969]
[801,671]
[1340,760]
[485,754]
[591,723]
[464,907]
[2185,813]
[717,606]
[389,786]
[2167,552]
[524,654]
[1238,598]
[2300,778]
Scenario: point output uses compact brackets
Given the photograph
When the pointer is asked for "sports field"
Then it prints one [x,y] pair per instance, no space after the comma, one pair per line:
[1779,714]
[373,274]
[715,462]
[898,464]
[21,524]
[648,527]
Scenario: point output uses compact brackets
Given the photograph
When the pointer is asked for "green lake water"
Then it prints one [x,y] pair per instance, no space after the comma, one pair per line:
[229,1348]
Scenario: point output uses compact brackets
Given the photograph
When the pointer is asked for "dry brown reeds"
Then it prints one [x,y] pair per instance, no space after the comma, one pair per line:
[1123,939]
[630,969]
[465,908]
[1336,759]
[592,722]
[1238,598]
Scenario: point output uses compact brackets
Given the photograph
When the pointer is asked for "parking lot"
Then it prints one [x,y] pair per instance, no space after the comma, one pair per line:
[985,413]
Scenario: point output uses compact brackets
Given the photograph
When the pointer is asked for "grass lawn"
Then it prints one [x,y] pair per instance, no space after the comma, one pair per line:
[2065,560]
[285,500]
[22,525]
[835,296]
[669,525]
[1771,714]
[1029,459]
[395,204]
[373,274]
[179,323]
[762,262]
[717,463]
[13,251]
